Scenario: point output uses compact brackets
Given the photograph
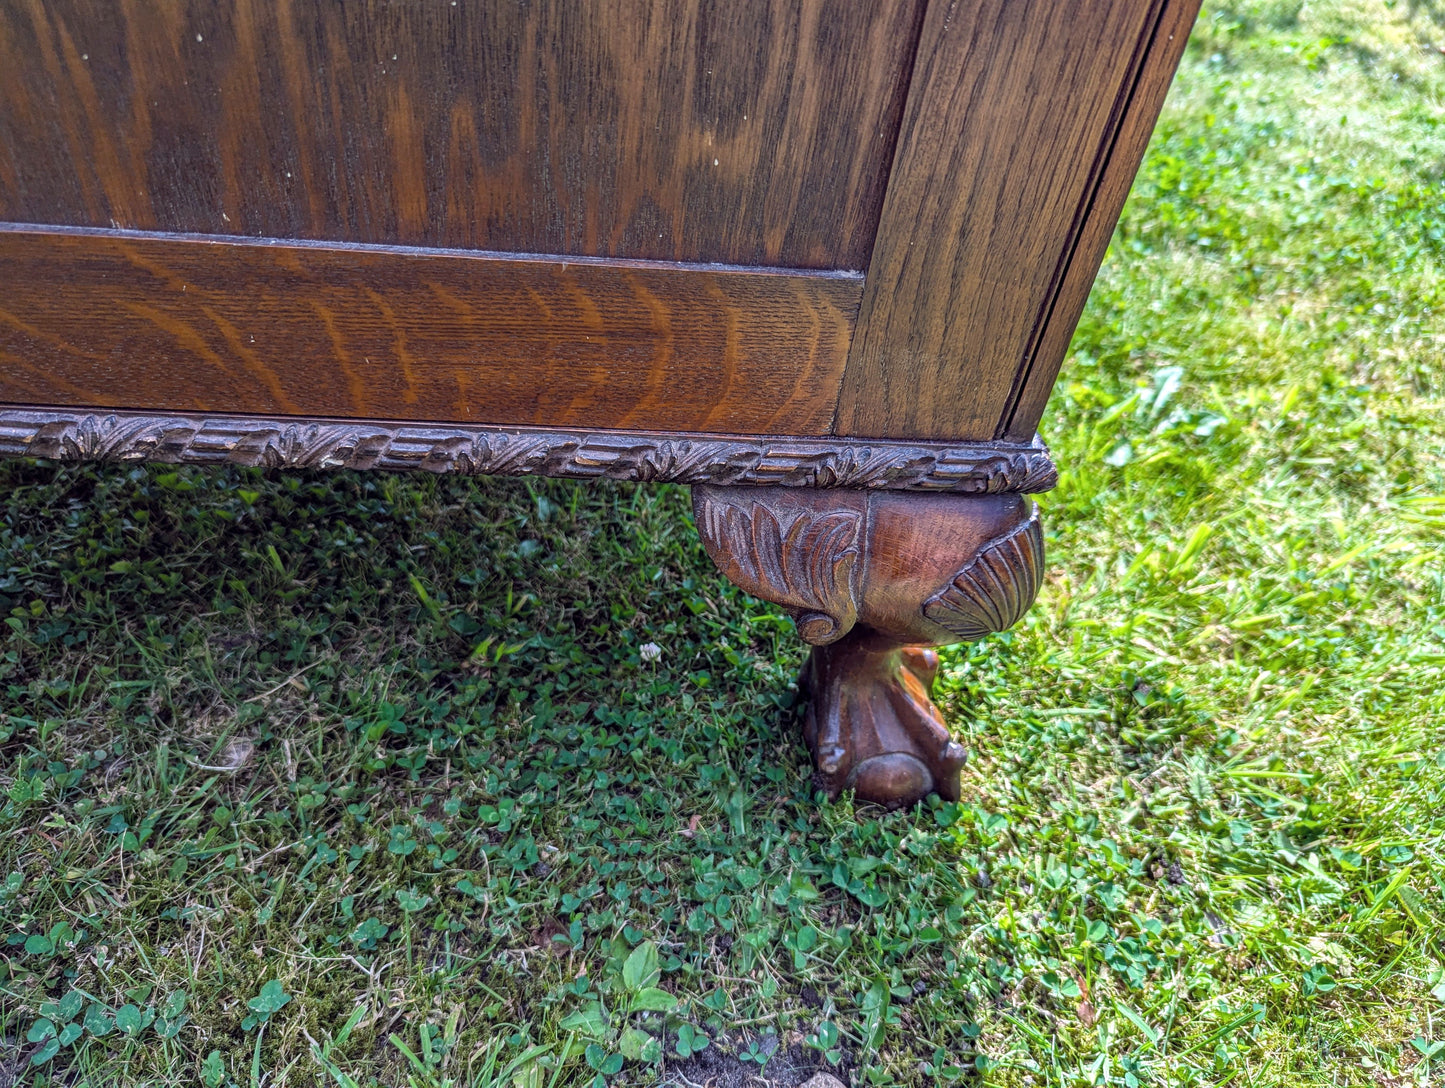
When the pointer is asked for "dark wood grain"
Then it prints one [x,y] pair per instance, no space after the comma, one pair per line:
[193,325]
[1035,379]
[1009,171]
[738,131]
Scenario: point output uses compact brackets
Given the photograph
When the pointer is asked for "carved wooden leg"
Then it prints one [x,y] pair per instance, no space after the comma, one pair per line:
[872,579]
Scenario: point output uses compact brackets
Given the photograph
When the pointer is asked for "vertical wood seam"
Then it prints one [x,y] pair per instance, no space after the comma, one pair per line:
[919,19]
[1100,167]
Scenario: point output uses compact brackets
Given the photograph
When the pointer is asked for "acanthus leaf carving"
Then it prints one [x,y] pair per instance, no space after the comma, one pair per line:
[802,559]
[874,465]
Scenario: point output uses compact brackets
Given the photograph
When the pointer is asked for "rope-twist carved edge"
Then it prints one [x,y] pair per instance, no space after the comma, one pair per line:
[71,435]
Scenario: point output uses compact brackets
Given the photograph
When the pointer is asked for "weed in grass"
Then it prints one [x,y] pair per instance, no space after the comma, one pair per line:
[359,780]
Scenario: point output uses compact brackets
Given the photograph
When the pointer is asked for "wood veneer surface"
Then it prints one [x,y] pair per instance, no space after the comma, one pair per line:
[1025,124]
[107,319]
[738,131]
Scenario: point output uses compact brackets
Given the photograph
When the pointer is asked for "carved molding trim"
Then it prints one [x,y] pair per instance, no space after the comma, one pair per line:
[995,588]
[804,560]
[100,435]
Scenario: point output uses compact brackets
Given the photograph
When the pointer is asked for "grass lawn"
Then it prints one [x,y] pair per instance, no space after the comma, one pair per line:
[352,780]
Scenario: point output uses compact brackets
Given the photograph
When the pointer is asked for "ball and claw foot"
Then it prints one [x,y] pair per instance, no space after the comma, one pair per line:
[873,579]
[871,725]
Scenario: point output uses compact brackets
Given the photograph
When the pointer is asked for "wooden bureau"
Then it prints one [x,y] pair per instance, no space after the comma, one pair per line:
[820,259]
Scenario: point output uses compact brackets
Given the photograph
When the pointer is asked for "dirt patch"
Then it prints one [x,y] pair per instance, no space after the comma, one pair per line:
[719,1067]
[13,1066]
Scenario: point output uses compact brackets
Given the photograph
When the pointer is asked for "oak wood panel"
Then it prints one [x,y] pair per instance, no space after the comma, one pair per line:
[1009,132]
[739,131]
[199,325]
[1035,380]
